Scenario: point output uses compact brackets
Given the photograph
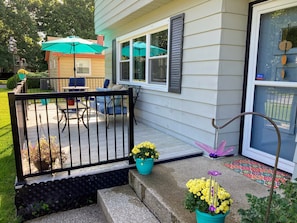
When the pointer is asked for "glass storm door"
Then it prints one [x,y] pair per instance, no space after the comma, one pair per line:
[272,84]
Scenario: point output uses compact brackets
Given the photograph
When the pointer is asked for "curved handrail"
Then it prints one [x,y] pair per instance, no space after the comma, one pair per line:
[277,151]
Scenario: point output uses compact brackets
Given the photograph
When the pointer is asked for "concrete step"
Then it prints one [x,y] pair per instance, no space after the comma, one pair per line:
[121,205]
[162,194]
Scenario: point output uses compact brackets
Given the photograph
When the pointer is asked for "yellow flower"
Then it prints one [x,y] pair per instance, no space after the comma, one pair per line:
[145,150]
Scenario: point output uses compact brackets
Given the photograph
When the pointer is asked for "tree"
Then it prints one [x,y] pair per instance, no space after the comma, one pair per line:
[28,20]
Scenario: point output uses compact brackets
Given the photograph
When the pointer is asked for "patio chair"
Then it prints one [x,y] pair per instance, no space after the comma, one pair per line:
[77,82]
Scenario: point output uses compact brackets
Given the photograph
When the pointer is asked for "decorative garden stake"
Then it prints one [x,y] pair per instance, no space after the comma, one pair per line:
[216,152]
[276,155]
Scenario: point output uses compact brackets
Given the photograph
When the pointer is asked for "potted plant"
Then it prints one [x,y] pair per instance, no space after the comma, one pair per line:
[44,153]
[208,199]
[282,209]
[22,73]
[144,155]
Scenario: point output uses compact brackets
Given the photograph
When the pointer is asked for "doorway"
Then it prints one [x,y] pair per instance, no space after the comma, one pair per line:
[272,84]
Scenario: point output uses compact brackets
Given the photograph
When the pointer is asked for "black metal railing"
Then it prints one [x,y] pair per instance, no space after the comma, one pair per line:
[78,135]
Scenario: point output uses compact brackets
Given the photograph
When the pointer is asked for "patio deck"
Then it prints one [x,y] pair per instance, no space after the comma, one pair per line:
[169,147]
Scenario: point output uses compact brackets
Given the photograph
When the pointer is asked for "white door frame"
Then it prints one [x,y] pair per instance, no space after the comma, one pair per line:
[264,7]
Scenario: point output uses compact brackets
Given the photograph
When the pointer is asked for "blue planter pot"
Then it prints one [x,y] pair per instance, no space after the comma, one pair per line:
[44,101]
[22,76]
[144,167]
[202,217]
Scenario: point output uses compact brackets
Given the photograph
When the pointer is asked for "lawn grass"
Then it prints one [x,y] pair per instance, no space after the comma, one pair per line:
[7,164]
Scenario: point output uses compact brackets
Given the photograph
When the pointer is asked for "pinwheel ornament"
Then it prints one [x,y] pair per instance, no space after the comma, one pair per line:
[216,152]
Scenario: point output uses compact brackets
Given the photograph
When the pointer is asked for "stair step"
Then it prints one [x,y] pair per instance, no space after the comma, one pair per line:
[121,204]
[162,195]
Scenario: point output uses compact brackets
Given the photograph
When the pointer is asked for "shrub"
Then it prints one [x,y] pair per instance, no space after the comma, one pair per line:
[283,206]
[12,81]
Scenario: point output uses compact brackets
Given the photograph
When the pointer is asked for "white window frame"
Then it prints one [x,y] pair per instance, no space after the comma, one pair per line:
[147,31]
[84,61]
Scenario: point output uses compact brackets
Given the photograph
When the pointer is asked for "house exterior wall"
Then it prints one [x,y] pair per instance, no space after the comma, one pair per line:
[213,66]
[61,65]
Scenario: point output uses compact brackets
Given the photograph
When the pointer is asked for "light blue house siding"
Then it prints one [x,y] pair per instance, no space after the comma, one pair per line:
[212,66]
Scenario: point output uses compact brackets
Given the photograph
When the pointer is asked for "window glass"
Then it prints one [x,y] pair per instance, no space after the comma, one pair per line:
[147,60]
[139,58]
[83,66]
[158,70]
[159,43]
[125,62]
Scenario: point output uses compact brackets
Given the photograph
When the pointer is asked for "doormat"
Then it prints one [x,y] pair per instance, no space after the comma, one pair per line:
[258,172]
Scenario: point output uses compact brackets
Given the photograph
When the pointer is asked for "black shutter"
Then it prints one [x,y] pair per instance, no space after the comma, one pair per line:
[176,53]
[114,61]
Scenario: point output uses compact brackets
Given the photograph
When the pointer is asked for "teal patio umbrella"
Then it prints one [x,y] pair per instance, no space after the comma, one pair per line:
[139,50]
[72,45]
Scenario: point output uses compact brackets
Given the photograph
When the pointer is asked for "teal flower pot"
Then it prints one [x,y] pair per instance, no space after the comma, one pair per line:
[202,217]
[22,76]
[144,167]
[44,101]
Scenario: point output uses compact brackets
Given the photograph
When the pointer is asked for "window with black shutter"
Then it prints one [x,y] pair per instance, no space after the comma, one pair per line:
[149,58]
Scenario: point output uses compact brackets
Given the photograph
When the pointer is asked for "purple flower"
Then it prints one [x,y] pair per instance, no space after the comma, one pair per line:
[212,208]
[214,173]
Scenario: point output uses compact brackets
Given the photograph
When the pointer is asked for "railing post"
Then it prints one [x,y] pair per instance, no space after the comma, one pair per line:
[131,125]
[15,138]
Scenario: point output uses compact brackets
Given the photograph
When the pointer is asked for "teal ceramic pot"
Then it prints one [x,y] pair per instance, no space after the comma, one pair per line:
[202,217]
[22,76]
[144,167]
[44,101]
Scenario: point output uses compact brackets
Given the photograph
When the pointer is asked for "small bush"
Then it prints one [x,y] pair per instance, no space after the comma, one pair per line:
[33,79]
[283,206]
[12,81]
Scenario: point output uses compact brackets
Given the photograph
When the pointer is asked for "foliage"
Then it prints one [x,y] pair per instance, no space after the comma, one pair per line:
[29,21]
[12,81]
[33,79]
[22,71]
[207,196]
[145,150]
[45,150]
[283,206]
[7,164]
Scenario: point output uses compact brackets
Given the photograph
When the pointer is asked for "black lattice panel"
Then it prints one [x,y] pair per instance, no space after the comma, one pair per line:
[53,196]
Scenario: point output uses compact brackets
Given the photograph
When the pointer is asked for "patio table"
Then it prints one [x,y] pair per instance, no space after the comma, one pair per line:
[78,109]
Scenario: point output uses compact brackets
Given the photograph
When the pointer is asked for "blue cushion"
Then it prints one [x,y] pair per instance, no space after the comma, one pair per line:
[109,110]
[103,99]
[80,81]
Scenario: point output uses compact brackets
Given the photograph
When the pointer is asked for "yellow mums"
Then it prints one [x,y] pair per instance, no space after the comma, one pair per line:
[145,150]
[207,196]
[22,71]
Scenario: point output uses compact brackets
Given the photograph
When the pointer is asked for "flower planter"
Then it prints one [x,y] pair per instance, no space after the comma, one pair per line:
[22,76]
[41,165]
[144,166]
[202,217]
[70,101]
[44,101]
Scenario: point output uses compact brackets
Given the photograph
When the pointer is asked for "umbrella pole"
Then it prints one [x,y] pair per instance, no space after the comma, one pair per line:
[74,69]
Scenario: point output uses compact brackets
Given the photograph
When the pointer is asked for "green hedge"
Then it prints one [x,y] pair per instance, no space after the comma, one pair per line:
[33,80]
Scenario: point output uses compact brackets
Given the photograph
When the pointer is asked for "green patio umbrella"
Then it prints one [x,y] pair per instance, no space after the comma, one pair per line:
[72,45]
[139,50]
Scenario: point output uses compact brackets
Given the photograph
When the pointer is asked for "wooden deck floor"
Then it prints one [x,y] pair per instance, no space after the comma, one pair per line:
[168,146]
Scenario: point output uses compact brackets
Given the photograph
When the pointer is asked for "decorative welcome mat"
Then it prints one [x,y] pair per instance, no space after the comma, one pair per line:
[258,172]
